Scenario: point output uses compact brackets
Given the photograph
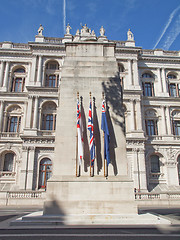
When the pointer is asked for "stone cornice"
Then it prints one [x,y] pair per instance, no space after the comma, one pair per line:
[160,99]
[160,58]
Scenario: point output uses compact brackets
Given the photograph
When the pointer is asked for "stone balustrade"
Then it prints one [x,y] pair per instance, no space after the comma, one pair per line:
[9,134]
[25,194]
[157,196]
[53,40]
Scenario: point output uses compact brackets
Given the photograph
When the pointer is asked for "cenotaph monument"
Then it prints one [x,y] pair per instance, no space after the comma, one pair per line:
[90,70]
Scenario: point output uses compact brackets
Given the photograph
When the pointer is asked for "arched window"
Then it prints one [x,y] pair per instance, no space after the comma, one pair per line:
[45,171]
[52,74]
[48,116]
[148,85]
[8,162]
[20,70]
[13,119]
[53,65]
[178,161]
[151,121]
[146,75]
[171,76]
[18,80]
[155,164]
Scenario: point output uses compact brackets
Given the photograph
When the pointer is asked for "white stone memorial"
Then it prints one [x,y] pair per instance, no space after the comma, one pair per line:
[89,66]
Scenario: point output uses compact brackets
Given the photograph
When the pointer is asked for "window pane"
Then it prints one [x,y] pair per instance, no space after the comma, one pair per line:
[146,75]
[173,90]
[13,124]
[155,166]
[45,172]
[151,127]
[8,162]
[51,81]
[20,70]
[148,89]
[177,128]
[18,85]
[171,76]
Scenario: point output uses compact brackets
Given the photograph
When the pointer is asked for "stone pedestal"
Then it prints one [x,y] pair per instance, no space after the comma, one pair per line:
[90,67]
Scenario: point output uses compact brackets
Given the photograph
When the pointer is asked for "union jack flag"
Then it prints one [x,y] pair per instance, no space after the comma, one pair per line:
[91,130]
[79,131]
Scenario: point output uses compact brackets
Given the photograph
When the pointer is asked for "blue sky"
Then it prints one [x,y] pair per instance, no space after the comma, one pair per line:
[155,23]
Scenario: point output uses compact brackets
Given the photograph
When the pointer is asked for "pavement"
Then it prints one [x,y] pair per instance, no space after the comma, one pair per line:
[78,232]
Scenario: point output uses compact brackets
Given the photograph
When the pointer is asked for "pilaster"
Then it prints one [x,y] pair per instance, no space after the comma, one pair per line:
[6,77]
[1,114]
[1,73]
[35,113]
[39,73]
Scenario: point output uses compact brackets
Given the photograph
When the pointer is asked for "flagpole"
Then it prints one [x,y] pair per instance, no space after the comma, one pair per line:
[77,144]
[90,152]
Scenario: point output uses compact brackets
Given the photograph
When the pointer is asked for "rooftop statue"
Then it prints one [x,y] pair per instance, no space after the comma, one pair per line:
[130,36]
[68,28]
[102,31]
[40,30]
[85,29]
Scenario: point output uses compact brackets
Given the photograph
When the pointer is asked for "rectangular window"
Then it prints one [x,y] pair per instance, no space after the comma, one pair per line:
[176,127]
[48,122]
[17,85]
[52,80]
[13,124]
[172,90]
[151,127]
[148,89]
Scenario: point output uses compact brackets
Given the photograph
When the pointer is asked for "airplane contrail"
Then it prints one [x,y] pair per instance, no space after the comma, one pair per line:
[64,13]
[167,25]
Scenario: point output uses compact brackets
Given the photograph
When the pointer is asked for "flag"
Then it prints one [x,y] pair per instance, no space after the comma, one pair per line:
[79,132]
[104,127]
[91,130]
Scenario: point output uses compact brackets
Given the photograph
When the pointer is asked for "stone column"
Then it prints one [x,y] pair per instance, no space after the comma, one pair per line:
[168,121]
[39,74]
[130,72]
[6,76]
[35,113]
[1,73]
[135,71]
[159,80]
[1,114]
[163,122]
[164,82]
[29,112]
[30,168]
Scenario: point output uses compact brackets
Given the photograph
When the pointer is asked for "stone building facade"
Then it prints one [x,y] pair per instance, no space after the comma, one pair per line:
[30,84]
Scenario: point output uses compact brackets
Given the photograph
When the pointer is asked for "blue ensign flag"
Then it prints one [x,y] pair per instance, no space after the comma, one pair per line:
[104,127]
